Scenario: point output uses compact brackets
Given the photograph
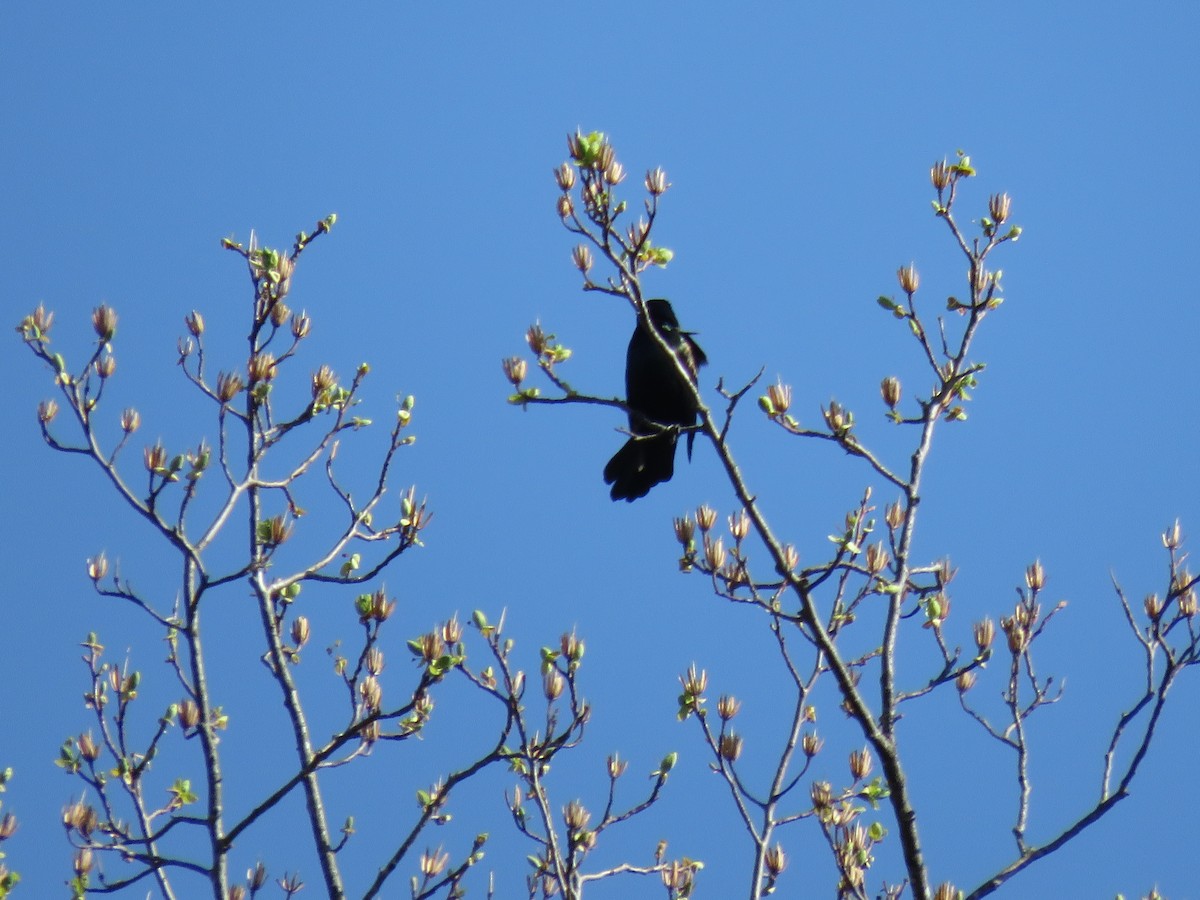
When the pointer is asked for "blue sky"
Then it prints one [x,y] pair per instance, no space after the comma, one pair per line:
[797,138]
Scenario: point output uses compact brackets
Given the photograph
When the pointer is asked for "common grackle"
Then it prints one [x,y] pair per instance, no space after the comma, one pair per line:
[658,398]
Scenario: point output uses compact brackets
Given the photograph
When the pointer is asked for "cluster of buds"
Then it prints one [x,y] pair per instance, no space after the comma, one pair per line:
[852,852]
[374,607]
[81,818]
[36,326]
[576,817]
[1018,628]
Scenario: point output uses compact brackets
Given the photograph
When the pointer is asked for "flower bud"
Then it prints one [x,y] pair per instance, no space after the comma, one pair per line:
[706,517]
[779,395]
[514,370]
[728,707]
[536,338]
[553,684]
[229,385]
[564,175]
[371,692]
[821,794]
[714,553]
[280,313]
[97,566]
[889,389]
[582,257]
[791,557]
[739,526]
[656,181]
[131,420]
[776,861]
[8,826]
[811,744]
[1173,537]
[998,207]
[984,633]
[155,457]
[1153,606]
[939,175]
[374,661]
[615,173]
[433,862]
[908,278]
[1035,576]
[262,367]
[301,325]
[964,682]
[730,746]
[947,891]
[104,322]
[877,558]
[88,748]
[565,206]
[106,365]
[894,515]
[47,410]
[616,766]
[194,323]
[694,683]
[452,630]
[300,631]
[189,714]
[685,531]
[860,763]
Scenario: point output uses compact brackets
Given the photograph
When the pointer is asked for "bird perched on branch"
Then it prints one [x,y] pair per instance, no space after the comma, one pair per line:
[660,402]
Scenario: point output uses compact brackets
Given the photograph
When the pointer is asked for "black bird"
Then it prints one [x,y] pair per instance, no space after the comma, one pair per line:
[658,398]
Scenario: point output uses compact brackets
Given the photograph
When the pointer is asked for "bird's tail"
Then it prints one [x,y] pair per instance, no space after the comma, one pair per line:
[640,464]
